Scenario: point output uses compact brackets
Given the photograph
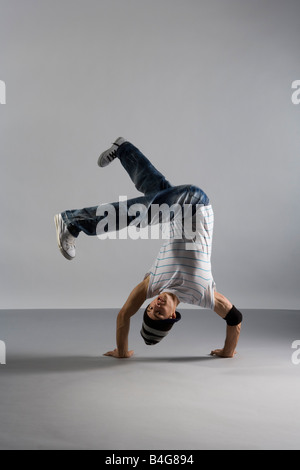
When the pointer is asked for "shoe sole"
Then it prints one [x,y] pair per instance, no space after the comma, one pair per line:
[63,252]
[102,162]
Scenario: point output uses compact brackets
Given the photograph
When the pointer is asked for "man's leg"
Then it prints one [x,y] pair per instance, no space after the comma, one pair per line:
[147,179]
[144,175]
[88,219]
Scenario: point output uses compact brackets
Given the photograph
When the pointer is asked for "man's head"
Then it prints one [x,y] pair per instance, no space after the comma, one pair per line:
[159,317]
[163,307]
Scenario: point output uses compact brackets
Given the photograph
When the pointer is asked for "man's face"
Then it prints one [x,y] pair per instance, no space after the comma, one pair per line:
[162,307]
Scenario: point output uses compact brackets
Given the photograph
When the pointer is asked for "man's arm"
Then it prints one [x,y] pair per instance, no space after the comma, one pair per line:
[231,341]
[133,303]
[222,308]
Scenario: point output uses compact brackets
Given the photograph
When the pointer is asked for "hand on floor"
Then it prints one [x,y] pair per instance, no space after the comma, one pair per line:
[115,353]
[221,353]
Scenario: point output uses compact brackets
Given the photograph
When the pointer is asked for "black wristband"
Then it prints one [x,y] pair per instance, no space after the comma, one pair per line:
[233,317]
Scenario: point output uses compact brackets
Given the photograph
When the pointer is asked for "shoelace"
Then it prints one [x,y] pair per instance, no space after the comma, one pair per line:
[111,156]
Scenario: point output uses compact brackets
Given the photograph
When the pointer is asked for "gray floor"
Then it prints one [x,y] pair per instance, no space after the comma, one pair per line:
[58,391]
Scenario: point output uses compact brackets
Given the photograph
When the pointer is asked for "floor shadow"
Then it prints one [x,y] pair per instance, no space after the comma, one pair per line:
[174,359]
[63,364]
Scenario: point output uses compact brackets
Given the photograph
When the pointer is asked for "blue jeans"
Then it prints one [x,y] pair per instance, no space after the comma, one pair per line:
[148,180]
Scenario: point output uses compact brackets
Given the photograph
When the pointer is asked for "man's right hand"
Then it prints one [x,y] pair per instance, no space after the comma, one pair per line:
[115,353]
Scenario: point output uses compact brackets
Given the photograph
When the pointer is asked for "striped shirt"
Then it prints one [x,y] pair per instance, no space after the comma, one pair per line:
[183,266]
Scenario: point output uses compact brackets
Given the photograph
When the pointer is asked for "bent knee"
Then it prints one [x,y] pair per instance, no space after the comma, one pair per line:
[199,194]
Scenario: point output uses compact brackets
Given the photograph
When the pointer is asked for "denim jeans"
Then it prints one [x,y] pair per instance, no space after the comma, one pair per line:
[149,181]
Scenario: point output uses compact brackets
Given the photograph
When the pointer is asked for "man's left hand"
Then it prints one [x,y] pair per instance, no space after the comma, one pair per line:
[222,353]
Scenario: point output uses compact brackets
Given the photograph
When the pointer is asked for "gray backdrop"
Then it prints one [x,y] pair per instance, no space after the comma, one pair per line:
[203,88]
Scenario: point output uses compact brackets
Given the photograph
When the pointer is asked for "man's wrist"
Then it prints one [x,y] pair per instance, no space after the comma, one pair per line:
[122,353]
[228,352]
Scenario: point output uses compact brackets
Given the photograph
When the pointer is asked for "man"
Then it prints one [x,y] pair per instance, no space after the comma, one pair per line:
[182,269]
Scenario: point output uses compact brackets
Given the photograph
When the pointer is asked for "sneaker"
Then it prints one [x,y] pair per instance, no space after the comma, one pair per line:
[65,241]
[109,155]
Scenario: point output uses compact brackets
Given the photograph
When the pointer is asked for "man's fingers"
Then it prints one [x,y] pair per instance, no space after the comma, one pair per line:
[110,353]
[115,353]
[221,353]
[215,352]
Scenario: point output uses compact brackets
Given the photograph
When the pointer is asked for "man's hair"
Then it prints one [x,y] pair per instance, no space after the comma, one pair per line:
[153,331]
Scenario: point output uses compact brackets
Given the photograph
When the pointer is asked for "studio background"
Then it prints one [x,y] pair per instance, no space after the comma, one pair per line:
[203,88]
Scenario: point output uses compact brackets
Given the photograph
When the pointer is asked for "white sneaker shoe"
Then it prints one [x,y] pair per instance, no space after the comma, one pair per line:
[65,241]
[109,155]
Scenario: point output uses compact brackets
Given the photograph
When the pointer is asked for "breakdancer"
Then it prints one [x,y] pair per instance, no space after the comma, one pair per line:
[182,269]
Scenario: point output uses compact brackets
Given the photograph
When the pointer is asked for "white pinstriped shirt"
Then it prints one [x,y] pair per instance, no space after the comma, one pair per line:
[183,267]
